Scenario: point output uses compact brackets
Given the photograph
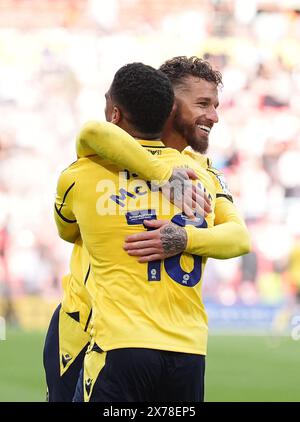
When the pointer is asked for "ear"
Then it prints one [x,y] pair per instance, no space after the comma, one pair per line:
[116,115]
[172,114]
[174,109]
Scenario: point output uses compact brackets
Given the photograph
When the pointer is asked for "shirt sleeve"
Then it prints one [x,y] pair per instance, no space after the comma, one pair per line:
[227,239]
[65,219]
[113,143]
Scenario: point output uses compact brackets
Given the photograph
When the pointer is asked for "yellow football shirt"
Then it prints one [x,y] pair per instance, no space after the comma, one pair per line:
[221,241]
[75,317]
[155,305]
[76,300]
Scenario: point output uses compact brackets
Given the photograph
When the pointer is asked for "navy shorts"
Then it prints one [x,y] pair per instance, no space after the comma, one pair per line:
[141,375]
[63,356]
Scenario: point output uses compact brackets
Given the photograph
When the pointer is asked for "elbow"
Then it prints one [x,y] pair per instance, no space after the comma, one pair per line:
[94,129]
[242,245]
[69,235]
[245,243]
[87,133]
[68,238]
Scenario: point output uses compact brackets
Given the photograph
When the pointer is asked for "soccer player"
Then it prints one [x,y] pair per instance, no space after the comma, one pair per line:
[69,330]
[68,334]
[219,244]
[158,325]
[195,85]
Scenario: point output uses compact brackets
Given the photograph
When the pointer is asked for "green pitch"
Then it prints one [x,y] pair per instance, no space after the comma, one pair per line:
[238,368]
[21,367]
[253,369]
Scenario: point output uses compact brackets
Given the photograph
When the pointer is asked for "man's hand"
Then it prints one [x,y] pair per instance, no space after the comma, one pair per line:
[186,196]
[166,240]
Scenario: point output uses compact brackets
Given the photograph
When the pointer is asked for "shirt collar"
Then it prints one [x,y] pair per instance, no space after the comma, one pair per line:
[150,143]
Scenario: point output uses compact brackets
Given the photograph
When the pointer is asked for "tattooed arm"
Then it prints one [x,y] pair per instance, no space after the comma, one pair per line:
[227,239]
[168,240]
[173,239]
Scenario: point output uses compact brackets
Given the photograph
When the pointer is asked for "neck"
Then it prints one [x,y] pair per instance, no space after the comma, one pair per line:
[173,139]
[146,136]
[137,134]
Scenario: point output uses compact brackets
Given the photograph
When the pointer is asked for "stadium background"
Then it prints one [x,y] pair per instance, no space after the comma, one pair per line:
[57,58]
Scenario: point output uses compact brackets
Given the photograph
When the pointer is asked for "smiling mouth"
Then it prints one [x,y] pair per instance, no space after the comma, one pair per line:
[205,129]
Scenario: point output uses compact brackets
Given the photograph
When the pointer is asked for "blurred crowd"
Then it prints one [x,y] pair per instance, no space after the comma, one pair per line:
[56,63]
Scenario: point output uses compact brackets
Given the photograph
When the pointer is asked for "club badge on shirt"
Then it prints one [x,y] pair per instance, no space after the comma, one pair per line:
[223,184]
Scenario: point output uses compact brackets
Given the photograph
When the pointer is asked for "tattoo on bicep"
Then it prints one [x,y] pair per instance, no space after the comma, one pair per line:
[173,238]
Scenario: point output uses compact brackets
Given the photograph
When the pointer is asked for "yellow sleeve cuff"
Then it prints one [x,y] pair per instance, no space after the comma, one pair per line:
[226,240]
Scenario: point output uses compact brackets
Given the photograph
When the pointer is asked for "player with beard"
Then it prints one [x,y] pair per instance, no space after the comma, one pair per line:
[149,339]
[196,89]
[195,86]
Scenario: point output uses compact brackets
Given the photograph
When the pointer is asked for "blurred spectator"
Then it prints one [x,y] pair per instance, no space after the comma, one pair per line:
[56,61]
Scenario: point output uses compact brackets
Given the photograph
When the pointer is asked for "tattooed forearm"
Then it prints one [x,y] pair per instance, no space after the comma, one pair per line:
[173,238]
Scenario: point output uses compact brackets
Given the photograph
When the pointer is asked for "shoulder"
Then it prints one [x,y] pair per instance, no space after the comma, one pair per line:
[201,159]
[70,170]
[218,178]
[220,183]
[68,176]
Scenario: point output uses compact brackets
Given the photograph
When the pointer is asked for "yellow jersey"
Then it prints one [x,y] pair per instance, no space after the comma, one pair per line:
[76,301]
[229,237]
[221,241]
[156,305]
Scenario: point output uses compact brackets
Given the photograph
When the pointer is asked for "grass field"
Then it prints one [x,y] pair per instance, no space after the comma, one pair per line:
[238,368]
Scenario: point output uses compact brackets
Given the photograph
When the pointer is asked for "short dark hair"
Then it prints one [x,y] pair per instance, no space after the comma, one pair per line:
[146,94]
[181,67]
